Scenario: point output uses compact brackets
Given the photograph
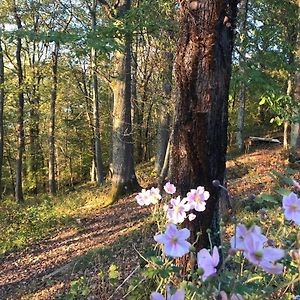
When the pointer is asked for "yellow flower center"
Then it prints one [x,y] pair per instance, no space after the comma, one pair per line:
[174,239]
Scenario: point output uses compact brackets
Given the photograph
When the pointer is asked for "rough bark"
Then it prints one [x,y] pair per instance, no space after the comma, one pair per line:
[199,142]
[2,95]
[243,11]
[52,177]
[20,121]
[124,180]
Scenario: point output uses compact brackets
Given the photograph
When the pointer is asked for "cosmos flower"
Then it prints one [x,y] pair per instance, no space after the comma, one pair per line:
[197,198]
[144,197]
[170,188]
[207,262]
[237,242]
[174,241]
[176,213]
[264,257]
[291,206]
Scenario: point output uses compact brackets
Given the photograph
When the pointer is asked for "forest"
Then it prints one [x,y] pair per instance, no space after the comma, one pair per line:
[149,149]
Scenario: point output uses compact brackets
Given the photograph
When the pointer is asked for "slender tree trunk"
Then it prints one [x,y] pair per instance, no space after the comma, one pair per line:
[96,110]
[20,122]
[295,126]
[162,140]
[243,11]
[124,180]
[35,159]
[137,118]
[52,179]
[165,118]
[2,95]
[295,93]
[203,69]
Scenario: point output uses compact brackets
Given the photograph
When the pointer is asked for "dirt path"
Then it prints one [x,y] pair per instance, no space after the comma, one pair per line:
[38,271]
[38,267]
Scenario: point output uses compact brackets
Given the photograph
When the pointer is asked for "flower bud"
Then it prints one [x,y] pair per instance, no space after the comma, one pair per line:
[192,249]
[200,271]
[251,197]
[216,183]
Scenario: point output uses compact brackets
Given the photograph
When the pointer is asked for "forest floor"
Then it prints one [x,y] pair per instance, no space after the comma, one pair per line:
[75,261]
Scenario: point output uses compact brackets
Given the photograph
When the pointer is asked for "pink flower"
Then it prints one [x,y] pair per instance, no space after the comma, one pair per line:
[170,188]
[291,206]
[296,184]
[177,212]
[207,262]
[179,295]
[155,195]
[237,242]
[264,257]
[197,198]
[192,217]
[144,197]
[174,240]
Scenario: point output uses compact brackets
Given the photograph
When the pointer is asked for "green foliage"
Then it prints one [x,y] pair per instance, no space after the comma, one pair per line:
[21,224]
[79,289]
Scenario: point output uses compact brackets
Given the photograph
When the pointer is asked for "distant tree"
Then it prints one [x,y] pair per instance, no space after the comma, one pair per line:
[96,108]
[124,179]
[243,11]
[52,179]
[295,80]
[20,119]
[2,95]
[203,68]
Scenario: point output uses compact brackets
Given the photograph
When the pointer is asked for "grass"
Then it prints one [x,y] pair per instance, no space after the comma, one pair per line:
[39,217]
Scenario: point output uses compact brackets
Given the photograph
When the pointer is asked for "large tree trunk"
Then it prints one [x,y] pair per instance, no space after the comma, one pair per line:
[199,142]
[1,115]
[52,179]
[243,11]
[124,180]
[20,120]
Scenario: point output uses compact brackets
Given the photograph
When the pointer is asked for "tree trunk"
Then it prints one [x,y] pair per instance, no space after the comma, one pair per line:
[199,142]
[96,110]
[124,180]
[2,95]
[165,118]
[52,179]
[20,121]
[35,155]
[243,11]
[295,126]
[295,60]
[162,140]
